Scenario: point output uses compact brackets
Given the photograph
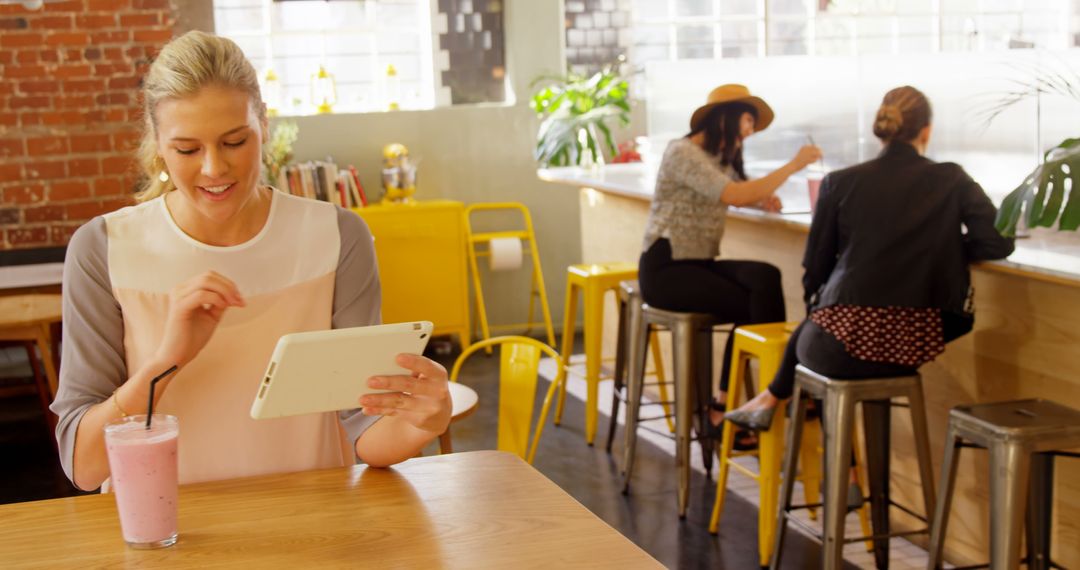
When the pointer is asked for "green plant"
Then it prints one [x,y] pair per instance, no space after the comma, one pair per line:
[574,110]
[277,151]
[1042,196]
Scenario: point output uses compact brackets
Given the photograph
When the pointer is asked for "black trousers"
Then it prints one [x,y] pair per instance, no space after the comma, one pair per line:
[739,292]
[820,351]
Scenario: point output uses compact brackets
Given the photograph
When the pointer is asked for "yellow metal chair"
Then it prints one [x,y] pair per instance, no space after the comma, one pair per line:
[592,280]
[537,290]
[766,342]
[518,366]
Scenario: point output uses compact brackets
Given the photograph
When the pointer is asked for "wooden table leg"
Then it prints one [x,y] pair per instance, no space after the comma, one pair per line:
[44,343]
[445,445]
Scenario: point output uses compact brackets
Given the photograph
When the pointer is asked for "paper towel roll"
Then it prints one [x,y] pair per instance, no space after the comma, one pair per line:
[506,253]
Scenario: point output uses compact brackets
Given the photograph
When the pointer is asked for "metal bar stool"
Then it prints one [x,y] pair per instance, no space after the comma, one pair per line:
[691,340]
[838,420]
[1023,438]
[629,320]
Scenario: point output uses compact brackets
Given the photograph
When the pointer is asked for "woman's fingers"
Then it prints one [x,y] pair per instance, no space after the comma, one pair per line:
[211,281]
[394,403]
[422,365]
[203,299]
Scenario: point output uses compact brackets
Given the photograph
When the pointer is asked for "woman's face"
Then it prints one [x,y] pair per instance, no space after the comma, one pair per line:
[211,143]
[746,125]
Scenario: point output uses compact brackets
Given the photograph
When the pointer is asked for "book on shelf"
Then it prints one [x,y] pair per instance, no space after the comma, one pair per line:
[323,180]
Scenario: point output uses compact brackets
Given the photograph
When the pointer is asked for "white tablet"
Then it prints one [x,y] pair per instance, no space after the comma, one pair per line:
[325,371]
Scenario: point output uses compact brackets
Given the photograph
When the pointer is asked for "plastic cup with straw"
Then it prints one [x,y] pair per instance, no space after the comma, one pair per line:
[150,401]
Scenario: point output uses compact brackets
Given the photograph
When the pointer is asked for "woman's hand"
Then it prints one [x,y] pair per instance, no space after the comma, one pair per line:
[195,309]
[422,399]
[770,204]
[807,155]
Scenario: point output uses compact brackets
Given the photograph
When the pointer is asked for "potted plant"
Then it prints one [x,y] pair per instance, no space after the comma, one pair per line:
[575,111]
[1042,197]
[277,152]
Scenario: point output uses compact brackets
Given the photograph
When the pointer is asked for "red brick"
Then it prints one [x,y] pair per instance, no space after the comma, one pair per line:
[153,36]
[49,213]
[84,167]
[126,140]
[72,55]
[115,116]
[14,8]
[35,102]
[70,71]
[38,146]
[108,187]
[50,56]
[116,164]
[113,53]
[26,56]
[7,88]
[24,194]
[8,119]
[6,57]
[121,83]
[87,210]
[45,170]
[92,53]
[26,236]
[139,19]
[73,6]
[107,5]
[10,171]
[13,24]
[39,86]
[60,234]
[11,147]
[111,37]
[63,118]
[24,71]
[20,39]
[151,4]
[70,190]
[9,216]
[90,143]
[95,21]
[60,22]
[29,118]
[104,69]
[74,101]
[84,85]
[113,99]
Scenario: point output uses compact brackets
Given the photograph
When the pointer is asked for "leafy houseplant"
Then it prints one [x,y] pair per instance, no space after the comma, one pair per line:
[575,111]
[277,151]
[1041,197]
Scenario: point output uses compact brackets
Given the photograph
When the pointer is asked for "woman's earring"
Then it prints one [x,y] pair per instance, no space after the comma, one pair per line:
[163,177]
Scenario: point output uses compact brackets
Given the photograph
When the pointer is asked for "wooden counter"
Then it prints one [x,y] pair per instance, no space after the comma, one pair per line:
[1025,343]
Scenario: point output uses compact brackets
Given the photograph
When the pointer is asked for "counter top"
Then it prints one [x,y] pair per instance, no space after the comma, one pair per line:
[1047,255]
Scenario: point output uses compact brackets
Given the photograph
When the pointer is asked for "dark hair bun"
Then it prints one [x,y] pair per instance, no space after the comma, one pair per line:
[888,122]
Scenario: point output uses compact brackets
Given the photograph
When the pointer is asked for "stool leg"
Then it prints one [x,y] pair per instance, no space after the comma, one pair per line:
[944,501]
[787,475]
[44,342]
[635,379]
[569,318]
[703,395]
[770,451]
[839,421]
[620,370]
[810,465]
[661,379]
[727,440]
[594,334]
[921,434]
[1040,508]
[1010,471]
[877,423]
[682,336]
[860,479]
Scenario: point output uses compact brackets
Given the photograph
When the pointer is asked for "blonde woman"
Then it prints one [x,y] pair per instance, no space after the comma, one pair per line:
[206,273]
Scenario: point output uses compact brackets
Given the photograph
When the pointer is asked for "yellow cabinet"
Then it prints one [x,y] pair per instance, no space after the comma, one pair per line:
[422,265]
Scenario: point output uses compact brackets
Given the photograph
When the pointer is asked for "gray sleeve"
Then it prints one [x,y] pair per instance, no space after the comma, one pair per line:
[357,296]
[689,166]
[92,364]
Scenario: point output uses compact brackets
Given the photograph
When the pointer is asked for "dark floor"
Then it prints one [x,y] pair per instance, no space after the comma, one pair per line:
[30,471]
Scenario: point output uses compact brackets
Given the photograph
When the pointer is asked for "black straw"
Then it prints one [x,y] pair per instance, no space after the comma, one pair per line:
[150,402]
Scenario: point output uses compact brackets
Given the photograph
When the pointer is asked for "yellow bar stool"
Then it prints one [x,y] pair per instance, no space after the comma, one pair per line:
[766,342]
[592,280]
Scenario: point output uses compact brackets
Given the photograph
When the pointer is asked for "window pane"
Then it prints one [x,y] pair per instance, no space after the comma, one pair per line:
[801,7]
[740,7]
[788,37]
[228,20]
[693,8]
[650,9]
[739,39]
[694,42]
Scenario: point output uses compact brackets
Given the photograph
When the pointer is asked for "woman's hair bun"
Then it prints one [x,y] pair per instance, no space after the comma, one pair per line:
[889,121]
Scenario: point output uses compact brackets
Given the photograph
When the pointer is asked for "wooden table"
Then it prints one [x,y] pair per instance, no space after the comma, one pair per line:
[29,319]
[483,509]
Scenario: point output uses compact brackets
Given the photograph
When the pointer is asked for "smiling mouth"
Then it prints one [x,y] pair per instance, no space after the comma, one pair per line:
[216,190]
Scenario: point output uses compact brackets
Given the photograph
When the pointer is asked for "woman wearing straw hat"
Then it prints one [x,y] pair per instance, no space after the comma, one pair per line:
[700,175]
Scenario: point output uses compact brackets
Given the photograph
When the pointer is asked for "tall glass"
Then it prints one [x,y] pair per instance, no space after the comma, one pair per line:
[143,467]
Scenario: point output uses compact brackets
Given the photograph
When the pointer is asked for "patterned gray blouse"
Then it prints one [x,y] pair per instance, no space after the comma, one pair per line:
[686,208]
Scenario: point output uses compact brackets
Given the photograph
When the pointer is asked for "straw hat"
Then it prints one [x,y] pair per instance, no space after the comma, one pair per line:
[734,93]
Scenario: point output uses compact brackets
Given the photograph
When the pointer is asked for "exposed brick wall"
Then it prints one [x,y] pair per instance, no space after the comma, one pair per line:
[69,111]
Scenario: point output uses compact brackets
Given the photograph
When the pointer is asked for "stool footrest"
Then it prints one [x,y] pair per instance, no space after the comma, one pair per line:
[816,535]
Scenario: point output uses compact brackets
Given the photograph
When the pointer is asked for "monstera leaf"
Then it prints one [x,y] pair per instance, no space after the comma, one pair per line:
[1042,196]
[575,112]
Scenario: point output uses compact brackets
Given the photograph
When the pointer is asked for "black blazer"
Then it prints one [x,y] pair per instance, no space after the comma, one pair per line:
[887,232]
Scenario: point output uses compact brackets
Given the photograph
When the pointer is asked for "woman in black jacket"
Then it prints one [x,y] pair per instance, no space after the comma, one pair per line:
[886,282]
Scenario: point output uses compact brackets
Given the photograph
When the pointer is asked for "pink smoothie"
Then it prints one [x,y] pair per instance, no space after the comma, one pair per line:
[144,477]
